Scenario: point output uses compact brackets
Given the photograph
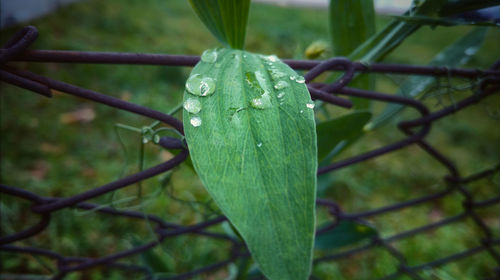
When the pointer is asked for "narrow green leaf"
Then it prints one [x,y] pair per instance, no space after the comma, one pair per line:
[351,23]
[250,130]
[347,232]
[394,33]
[454,55]
[376,47]
[333,132]
[432,21]
[226,19]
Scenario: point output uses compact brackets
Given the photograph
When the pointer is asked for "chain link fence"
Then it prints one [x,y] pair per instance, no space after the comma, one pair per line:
[416,131]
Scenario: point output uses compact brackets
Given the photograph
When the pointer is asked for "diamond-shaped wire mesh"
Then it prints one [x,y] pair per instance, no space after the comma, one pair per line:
[416,131]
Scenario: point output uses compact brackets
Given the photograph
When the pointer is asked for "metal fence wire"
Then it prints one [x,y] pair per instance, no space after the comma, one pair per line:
[415,130]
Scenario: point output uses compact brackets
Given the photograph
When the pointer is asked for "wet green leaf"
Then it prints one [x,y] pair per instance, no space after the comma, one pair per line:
[253,144]
[226,19]
[347,232]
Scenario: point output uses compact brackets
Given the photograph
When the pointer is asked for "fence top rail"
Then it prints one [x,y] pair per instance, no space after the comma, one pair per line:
[53,56]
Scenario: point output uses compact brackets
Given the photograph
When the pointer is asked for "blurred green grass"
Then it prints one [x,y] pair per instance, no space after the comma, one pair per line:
[45,153]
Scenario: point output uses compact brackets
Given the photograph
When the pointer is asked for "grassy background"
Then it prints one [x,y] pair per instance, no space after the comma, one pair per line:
[54,147]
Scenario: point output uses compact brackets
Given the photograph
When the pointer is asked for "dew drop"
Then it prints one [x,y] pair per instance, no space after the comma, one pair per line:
[199,85]
[145,140]
[281,85]
[262,102]
[207,86]
[471,51]
[209,56]
[272,58]
[192,105]
[281,95]
[259,144]
[310,105]
[301,111]
[300,80]
[277,74]
[195,121]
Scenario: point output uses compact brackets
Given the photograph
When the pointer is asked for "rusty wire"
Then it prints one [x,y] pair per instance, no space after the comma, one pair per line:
[416,130]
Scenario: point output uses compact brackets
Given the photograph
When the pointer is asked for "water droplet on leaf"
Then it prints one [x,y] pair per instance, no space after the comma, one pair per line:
[192,105]
[281,85]
[199,85]
[195,121]
[300,80]
[281,95]
[262,102]
[277,74]
[259,144]
[310,105]
[272,58]
[471,51]
[209,56]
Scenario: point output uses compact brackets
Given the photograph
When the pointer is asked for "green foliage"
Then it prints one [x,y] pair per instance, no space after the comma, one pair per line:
[226,19]
[351,23]
[336,134]
[252,141]
[455,55]
[393,34]
[433,22]
[154,262]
